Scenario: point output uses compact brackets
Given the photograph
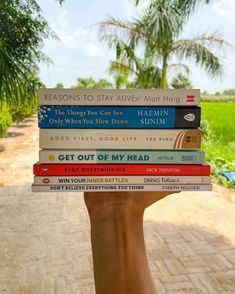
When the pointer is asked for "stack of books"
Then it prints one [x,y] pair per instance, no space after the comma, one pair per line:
[120,140]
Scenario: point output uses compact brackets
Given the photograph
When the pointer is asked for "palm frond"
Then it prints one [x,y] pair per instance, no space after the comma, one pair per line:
[117,67]
[189,6]
[179,67]
[213,40]
[16,80]
[115,26]
[137,2]
[161,21]
[202,50]
[129,31]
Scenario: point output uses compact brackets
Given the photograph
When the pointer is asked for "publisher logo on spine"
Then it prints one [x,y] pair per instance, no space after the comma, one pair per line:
[46,181]
[51,157]
[190,117]
[190,98]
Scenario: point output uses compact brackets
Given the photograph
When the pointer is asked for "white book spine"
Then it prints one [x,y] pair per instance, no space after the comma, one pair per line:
[119,188]
[120,180]
[119,139]
[146,97]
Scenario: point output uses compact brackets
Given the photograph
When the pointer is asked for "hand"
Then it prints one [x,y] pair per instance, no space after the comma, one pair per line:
[119,256]
[99,202]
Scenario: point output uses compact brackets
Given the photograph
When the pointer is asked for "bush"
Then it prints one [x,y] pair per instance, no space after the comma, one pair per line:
[21,112]
[5,122]
[218,163]
[207,135]
[220,98]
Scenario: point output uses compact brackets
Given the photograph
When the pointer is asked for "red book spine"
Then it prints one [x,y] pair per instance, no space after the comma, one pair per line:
[121,169]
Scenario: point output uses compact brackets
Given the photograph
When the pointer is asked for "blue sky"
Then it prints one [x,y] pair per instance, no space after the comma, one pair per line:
[79,53]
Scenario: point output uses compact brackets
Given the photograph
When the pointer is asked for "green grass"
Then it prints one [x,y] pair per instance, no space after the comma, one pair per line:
[219,145]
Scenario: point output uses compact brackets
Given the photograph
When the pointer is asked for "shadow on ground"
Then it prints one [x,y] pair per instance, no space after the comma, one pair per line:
[13,134]
[45,248]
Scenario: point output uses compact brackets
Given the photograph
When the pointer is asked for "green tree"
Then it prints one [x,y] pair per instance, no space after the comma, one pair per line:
[23,30]
[229,92]
[158,31]
[59,86]
[91,83]
[205,93]
[143,71]
[181,82]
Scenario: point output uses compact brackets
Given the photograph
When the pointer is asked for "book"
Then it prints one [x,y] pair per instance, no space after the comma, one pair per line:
[121,180]
[119,188]
[122,156]
[118,117]
[73,169]
[143,97]
[120,139]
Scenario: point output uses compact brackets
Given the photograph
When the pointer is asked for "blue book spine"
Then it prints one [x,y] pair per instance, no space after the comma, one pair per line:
[114,117]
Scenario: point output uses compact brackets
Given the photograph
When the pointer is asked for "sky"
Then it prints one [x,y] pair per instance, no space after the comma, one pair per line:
[80,53]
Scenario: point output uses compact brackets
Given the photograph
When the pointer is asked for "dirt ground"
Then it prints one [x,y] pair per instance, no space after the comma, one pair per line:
[45,237]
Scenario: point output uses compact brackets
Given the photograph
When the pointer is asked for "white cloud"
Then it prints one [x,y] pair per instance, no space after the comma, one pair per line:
[225,8]
[92,50]
[80,32]
[66,36]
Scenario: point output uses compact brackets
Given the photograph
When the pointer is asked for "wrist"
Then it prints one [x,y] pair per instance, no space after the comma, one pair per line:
[116,211]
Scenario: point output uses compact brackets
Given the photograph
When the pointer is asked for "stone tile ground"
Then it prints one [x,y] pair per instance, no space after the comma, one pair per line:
[45,238]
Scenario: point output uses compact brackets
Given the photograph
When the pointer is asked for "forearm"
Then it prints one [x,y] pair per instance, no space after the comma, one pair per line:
[120,263]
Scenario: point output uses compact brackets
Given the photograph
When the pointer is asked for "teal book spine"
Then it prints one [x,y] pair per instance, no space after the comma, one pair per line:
[122,156]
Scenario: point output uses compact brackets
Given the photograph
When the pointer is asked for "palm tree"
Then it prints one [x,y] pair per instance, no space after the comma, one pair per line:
[90,83]
[158,32]
[181,82]
[145,73]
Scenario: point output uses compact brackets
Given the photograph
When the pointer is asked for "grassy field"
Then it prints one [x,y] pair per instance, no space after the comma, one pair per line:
[219,140]
[221,120]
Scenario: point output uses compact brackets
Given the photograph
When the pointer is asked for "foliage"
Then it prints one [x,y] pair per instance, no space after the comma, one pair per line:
[157,32]
[221,98]
[5,120]
[219,138]
[218,165]
[24,29]
[229,92]
[91,83]
[59,86]
[181,82]
[20,112]
[145,74]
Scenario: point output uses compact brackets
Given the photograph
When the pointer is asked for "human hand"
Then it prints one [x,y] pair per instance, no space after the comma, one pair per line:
[98,202]
[119,257]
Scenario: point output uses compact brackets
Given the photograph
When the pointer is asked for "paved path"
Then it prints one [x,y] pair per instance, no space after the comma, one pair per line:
[45,238]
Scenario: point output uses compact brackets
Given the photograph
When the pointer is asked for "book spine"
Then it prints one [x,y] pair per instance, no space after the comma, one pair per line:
[124,180]
[120,97]
[122,156]
[120,139]
[120,169]
[118,117]
[119,188]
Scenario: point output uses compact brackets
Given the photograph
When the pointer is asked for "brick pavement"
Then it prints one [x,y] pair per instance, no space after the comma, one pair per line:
[45,238]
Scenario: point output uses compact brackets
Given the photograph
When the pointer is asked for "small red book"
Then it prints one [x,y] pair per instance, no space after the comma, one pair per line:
[40,169]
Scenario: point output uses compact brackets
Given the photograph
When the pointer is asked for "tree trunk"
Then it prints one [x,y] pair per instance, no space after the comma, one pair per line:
[163,83]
